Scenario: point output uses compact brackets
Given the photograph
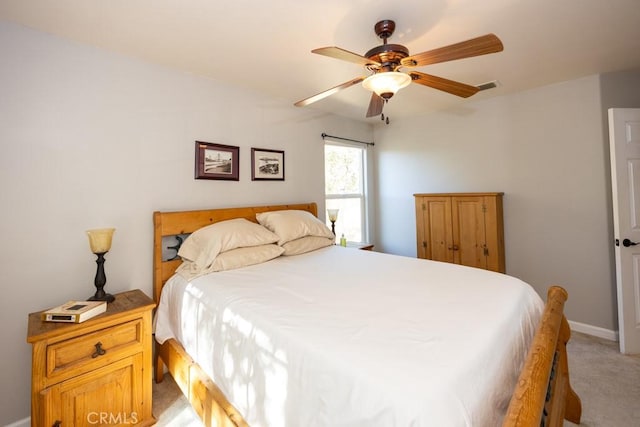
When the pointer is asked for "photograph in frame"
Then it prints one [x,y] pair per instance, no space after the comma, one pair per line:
[217,161]
[267,165]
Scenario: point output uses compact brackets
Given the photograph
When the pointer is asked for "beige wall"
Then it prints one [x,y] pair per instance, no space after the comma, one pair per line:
[89,139]
[547,150]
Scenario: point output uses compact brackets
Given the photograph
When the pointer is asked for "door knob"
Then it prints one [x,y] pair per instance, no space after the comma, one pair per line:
[626,243]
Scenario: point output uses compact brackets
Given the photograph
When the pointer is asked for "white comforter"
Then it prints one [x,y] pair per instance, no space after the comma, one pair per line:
[342,337]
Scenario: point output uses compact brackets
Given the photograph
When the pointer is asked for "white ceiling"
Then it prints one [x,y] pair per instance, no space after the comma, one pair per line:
[265,44]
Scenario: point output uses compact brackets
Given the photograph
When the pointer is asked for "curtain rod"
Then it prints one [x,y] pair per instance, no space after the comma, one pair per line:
[324,135]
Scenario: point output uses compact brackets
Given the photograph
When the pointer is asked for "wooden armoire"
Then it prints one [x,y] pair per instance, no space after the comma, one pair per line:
[462,228]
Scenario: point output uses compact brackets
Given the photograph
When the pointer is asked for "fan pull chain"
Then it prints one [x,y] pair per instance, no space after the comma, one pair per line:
[382,118]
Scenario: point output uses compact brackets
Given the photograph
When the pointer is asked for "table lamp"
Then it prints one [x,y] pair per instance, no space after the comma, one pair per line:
[333,217]
[100,242]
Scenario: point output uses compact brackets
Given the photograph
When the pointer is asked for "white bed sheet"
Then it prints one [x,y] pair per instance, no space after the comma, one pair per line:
[343,337]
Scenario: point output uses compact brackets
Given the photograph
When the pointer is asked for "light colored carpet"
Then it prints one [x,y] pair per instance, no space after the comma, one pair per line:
[170,407]
[607,382]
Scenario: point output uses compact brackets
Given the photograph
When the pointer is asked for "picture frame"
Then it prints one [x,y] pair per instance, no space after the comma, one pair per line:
[217,161]
[267,165]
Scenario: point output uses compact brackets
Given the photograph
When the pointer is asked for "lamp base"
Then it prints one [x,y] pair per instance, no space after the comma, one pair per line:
[100,281]
[104,297]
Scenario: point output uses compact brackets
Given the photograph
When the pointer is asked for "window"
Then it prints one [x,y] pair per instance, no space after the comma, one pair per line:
[345,189]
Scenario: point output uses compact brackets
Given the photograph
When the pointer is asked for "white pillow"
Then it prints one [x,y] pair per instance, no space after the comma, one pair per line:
[204,245]
[293,224]
[230,260]
[306,244]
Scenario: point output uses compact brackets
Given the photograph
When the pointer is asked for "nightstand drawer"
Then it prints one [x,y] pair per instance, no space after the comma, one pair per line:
[74,356]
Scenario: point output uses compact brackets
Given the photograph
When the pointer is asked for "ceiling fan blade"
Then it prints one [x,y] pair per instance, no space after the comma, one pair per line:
[345,55]
[375,105]
[449,86]
[482,45]
[328,92]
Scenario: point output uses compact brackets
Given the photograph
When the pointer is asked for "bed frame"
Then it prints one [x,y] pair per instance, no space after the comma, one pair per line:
[543,394]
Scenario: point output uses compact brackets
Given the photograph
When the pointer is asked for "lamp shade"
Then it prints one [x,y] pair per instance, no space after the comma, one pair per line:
[333,214]
[100,239]
[386,84]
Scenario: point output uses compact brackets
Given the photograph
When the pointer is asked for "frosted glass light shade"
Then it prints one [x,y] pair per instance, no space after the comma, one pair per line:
[333,214]
[386,84]
[100,239]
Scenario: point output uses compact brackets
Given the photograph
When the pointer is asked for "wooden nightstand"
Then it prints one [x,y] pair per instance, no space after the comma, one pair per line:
[97,372]
[362,246]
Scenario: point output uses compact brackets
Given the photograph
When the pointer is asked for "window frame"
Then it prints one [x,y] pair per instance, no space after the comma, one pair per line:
[363,196]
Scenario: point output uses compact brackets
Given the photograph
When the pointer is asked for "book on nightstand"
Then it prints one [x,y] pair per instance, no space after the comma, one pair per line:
[75,311]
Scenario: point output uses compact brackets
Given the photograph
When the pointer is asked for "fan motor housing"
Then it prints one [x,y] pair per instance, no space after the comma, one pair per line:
[389,55]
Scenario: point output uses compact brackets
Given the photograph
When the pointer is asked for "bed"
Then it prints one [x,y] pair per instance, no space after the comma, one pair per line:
[338,336]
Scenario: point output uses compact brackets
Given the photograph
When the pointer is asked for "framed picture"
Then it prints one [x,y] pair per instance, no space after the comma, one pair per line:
[216,161]
[267,165]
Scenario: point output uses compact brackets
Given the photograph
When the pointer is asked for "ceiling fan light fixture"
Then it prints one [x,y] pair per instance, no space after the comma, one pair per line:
[386,84]
[386,59]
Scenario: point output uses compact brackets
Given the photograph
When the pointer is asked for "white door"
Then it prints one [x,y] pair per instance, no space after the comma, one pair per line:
[624,142]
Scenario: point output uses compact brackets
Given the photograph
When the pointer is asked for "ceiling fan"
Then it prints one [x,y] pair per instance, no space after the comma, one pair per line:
[386,60]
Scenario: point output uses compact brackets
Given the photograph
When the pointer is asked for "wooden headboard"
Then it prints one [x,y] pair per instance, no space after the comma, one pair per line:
[186,222]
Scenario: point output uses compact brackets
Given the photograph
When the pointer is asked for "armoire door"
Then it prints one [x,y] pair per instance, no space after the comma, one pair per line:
[434,225]
[469,231]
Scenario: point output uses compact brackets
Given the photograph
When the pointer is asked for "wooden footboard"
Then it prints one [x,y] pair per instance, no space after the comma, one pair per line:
[543,394]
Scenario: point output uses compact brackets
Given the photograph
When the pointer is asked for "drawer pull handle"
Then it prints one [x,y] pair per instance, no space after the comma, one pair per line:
[58,423]
[99,350]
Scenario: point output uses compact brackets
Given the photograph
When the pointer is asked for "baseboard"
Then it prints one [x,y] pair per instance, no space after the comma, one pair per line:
[26,422]
[595,331]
